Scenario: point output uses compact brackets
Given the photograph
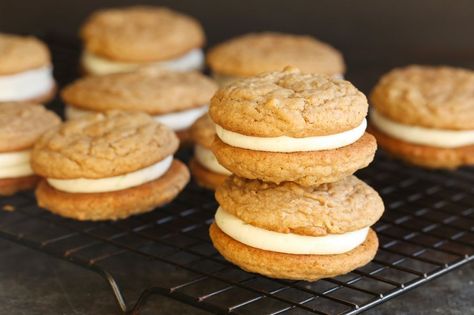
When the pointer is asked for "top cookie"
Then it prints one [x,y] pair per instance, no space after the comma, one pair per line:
[21,53]
[151,90]
[252,54]
[335,208]
[288,103]
[22,123]
[203,131]
[102,145]
[141,33]
[433,97]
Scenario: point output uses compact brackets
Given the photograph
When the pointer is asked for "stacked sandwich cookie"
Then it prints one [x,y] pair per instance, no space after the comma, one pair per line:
[26,73]
[124,39]
[21,124]
[175,99]
[425,115]
[293,209]
[204,167]
[107,166]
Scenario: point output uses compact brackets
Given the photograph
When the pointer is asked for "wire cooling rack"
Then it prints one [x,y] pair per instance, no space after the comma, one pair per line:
[426,231]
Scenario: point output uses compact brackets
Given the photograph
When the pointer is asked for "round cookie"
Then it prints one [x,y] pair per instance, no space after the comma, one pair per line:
[268,125]
[425,156]
[25,70]
[202,134]
[175,98]
[427,96]
[255,53]
[21,124]
[288,266]
[288,103]
[141,33]
[425,114]
[304,168]
[101,167]
[116,204]
[334,208]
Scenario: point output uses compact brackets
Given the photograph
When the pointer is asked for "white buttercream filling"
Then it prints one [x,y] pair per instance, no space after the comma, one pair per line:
[94,64]
[420,135]
[289,144]
[206,158]
[175,121]
[15,164]
[288,243]
[27,84]
[183,119]
[133,179]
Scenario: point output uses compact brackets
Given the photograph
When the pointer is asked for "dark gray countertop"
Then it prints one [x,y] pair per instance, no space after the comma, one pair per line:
[35,283]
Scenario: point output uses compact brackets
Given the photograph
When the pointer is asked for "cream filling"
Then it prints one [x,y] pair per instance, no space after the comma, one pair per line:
[94,64]
[206,158]
[222,79]
[27,84]
[420,135]
[175,121]
[288,243]
[15,164]
[133,179]
[289,144]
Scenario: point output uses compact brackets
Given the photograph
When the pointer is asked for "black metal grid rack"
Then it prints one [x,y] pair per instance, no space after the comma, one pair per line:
[426,231]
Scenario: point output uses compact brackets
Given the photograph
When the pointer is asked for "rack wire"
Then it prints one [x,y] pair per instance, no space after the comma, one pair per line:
[426,231]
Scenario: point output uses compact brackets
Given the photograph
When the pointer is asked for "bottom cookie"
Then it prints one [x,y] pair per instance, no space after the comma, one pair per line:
[9,186]
[204,177]
[116,204]
[430,157]
[289,266]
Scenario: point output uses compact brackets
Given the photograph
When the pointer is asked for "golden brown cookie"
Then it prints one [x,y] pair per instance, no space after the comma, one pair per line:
[335,208]
[305,168]
[9,186]
[426,156]
[102,145]
[427,96]
[255,53]
[290,266]
[151,90]
[288,103]
[21,124]
[205,177]
[141,33]
[203,131]
[117,204]
[22,53]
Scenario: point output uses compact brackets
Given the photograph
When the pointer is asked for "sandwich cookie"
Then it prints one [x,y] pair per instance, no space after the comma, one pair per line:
[26,72]
[425,115]
[124,39]
[21,124]
[107,166]
[293,232]
[204,166]
[289,126]
[175,99]
[251,54]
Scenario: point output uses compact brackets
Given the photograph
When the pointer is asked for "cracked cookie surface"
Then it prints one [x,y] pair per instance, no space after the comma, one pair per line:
[141,33]
[288,103]
[432,97]
[334,208]
[21,53]
[102,145]
[254,53]
[22,123]
[152,90]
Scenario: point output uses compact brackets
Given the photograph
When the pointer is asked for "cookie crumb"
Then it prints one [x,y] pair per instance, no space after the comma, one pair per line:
[8,208]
